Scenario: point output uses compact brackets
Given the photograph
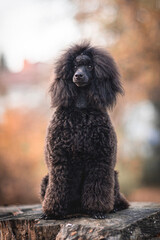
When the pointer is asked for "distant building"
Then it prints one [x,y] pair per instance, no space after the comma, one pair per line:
[27,88]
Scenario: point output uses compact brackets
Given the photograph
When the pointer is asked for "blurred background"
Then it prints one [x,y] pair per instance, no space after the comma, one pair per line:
[33,33]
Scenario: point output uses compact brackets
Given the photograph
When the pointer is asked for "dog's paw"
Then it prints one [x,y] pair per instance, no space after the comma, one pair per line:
[44,217]
[51,217]
[99,215]
[121,206]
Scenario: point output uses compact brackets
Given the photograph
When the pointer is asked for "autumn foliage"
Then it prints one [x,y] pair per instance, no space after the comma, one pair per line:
[22,136]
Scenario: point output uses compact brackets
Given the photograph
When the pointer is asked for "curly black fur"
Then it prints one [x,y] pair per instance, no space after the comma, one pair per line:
[81,143]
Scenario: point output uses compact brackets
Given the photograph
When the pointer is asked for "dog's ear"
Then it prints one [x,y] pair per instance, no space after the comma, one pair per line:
[106,85]
[62,89]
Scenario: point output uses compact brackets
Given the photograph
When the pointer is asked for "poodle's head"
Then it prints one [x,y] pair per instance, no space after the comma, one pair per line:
[83,67]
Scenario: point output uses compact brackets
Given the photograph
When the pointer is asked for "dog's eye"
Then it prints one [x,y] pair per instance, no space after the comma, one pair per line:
[75,67]
[90,67]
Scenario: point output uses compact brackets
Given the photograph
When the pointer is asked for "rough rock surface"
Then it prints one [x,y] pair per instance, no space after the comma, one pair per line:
[140,221]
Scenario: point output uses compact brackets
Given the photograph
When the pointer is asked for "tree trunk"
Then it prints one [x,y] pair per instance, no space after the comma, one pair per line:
[140,221]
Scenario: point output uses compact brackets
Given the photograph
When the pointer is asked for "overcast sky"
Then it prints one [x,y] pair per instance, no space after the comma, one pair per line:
[35,29]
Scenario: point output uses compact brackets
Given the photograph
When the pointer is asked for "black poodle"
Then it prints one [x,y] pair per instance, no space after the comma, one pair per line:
[81,143]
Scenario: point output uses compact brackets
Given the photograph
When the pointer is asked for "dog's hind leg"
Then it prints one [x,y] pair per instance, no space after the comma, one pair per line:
[120,201]
[44,184]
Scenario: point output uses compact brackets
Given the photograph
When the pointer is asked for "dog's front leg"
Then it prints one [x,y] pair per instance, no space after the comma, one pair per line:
[55,204]
[98,191]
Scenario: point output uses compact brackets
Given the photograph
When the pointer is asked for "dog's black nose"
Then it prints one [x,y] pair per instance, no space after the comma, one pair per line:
[79,75]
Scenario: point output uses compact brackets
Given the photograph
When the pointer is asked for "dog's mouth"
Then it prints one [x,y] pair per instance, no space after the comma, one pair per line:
[81,84]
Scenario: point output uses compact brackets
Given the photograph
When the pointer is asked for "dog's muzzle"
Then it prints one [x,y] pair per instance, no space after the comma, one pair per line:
[80,79]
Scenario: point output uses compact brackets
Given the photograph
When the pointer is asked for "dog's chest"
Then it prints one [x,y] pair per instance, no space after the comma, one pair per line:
[80,131]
